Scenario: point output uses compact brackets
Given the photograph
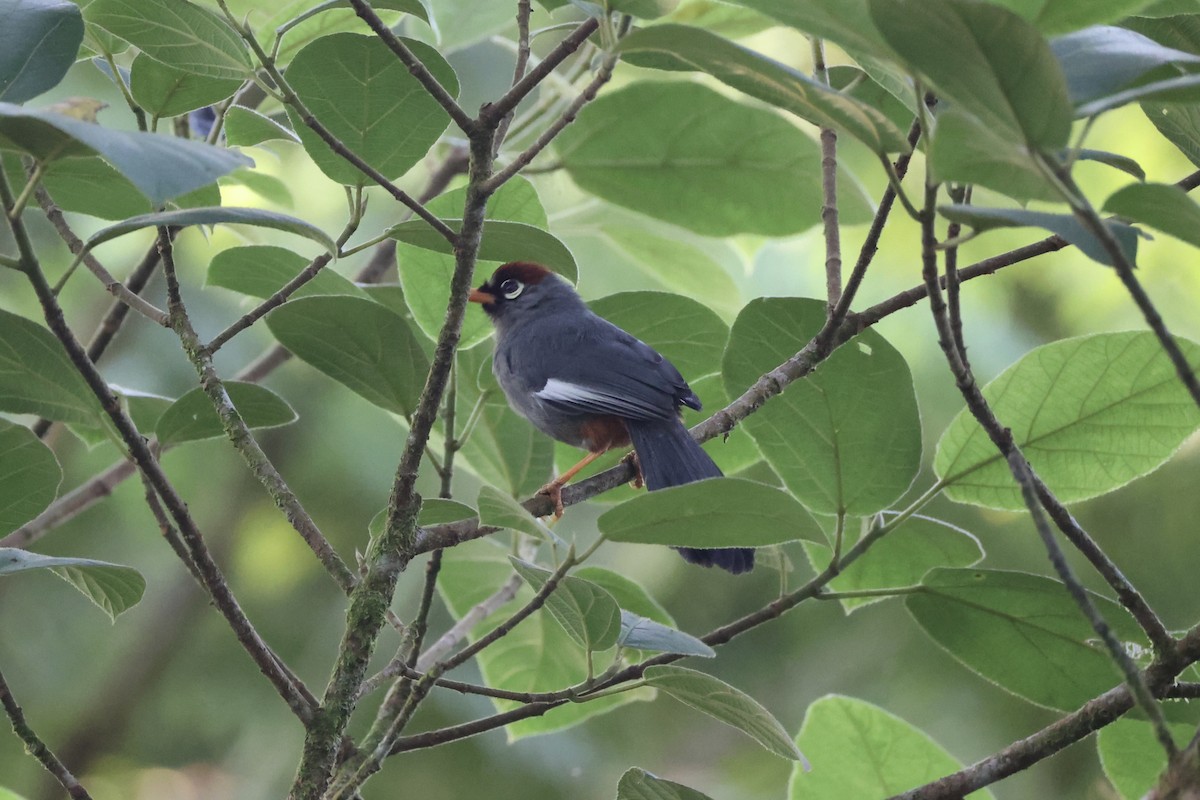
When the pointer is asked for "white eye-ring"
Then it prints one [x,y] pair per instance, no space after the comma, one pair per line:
[511,289]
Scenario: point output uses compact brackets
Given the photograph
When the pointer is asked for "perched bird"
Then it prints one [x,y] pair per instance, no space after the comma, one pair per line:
[586,382]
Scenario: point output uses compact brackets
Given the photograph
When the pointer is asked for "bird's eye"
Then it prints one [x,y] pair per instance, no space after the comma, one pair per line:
[511,288]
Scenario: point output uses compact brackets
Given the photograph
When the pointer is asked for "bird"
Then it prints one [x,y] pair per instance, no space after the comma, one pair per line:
[584,381]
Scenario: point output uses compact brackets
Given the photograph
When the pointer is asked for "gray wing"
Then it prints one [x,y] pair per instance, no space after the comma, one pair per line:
[597,368]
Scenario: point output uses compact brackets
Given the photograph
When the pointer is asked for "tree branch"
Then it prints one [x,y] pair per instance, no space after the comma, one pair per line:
[294,694]
[1073,727]
[492,113]
[36,747]
[603,75]
[1022,472]
[289,96]
[438,92]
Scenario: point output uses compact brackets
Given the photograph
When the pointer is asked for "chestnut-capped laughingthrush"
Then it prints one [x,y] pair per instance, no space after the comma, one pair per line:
[586,382]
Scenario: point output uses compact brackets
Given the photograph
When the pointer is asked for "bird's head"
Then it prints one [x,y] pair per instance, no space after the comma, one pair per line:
[519,289]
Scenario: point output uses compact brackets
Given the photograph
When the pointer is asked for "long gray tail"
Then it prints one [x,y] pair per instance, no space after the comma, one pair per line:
[669,456]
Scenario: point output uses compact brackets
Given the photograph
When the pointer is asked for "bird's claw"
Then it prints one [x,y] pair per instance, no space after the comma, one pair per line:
[553,490]
[638,481]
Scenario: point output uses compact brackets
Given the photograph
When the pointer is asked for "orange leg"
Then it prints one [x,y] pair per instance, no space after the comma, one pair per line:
[554,487]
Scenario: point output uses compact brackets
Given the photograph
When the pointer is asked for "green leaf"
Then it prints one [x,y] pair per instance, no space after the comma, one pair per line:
[29,476]
[899,559]
[984,59]
[178,33]
[506,450]
[164,91]
[637,784]
[502,241]
[1114,160]
[1090,413]
[359,343]
[846,22]
[688,334]
[503,449]
[895,100]
[684,48]
[722,701]
[426,273]
[675,265]
[1162,206]
[682,153]
[37,376]
[586,612]
[361,92]
[1065,225]
[263,184]
[646,634]
[1182,88]
[716,512]
[38,43]
[847,437]
[535,656]
[1169,8]
[1100,61]
[629,595]
[859,750]
[1132,757]
[245,127]
[262,270]
[192,417]
[718,17]
[144,408]
[112,587]
[437,510]
[642,9]
[1023,632]
[161,167]
[88,185]
[500,509]
[1059,16]
[213,216]
[966,150]
[7,794]
[1179,123]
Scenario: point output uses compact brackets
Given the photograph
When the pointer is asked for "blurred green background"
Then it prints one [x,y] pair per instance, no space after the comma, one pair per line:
[165,705]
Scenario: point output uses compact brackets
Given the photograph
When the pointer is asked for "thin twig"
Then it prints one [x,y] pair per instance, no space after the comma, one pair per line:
[537,601]
[102,485]
[239,433]
[1021,470]
[524,9]
[311,271]
[289,96]
[494,112]
[1073,727]
[36,747]
[294,693]
[719,636]
[394,548]
[435,89]
[1091,220]
[603,75]
[829,209]
[111,285]
[477,613]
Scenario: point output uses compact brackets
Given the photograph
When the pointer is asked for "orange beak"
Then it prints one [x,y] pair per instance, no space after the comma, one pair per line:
[479,296]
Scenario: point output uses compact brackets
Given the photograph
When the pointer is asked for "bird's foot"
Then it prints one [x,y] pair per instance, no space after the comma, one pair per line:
[638,481]
[553,490]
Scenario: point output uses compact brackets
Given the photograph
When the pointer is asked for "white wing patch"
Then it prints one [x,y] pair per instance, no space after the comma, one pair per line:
[567,392]
[591,398]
